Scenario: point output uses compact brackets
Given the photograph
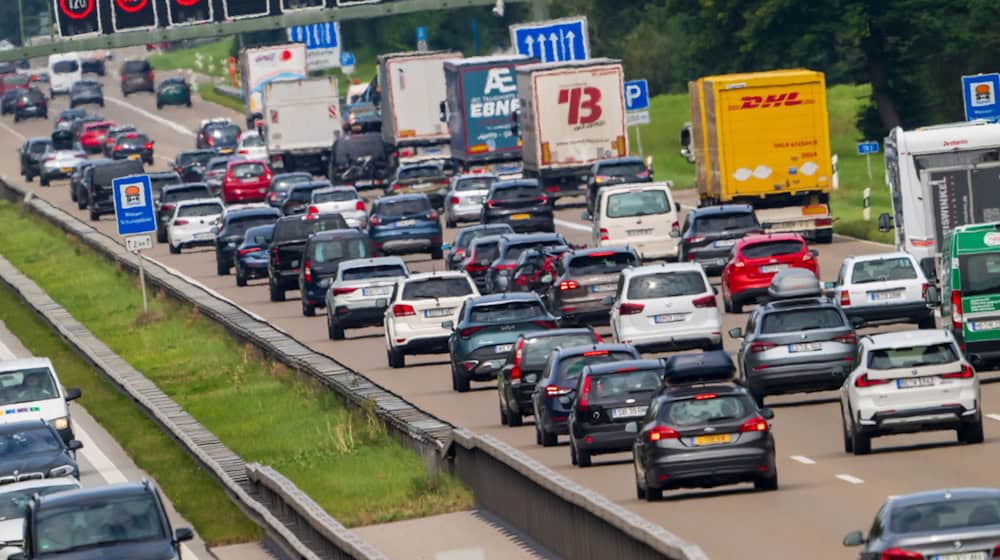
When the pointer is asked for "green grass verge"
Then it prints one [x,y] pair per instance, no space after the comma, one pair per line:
[193,492]
[207,92]
[342,458]
[213,58]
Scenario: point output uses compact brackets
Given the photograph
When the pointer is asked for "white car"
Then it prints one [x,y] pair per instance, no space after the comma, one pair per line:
[667,306]
[31,389]
[192,223]
[909,381]
[59,164]
[252,146]
[343,200]
[883,288]
[464,201]
[14,500]
[643,216]
[360,293]
[419,306]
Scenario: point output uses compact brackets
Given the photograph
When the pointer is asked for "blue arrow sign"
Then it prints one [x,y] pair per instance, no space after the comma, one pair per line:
[636,95]
[981,95]
[552,41]
[867,147]
[133,197]
[315,36]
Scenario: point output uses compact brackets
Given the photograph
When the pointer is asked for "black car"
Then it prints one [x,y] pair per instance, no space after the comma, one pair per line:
[169,197]
[519,203]
[608,397]
[86,92]
[133,145]
[31,103]
[98,180]
[31,155]
[232,231]
[110,522]
[281,182]
[709,234]
[160,179]
[702,431]
[137,75]
[34,449]
[524,367]
[498,273]
[463,240]
[552,400]
[359,159]
[111,136]
[299,195]
[287,244]
[250,257]
[215,172]
[67,117]
[9,101]
[77,190]
[190,164]
[320,257]
[583,292]
[222,137]
[614,171]
[93,65]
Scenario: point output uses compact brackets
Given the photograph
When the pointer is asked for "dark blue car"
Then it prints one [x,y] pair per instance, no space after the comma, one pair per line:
[322,255]
[232,230]
[552,400]
[405,224]
[251,256]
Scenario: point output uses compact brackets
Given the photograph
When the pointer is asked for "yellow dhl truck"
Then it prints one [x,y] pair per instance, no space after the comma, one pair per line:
[763,138]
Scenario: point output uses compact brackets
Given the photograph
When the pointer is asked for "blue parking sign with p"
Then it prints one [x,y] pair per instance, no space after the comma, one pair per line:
[636,95]
[133,198]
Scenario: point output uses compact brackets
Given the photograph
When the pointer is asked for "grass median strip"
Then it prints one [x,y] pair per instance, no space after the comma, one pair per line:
[213,58]
[208,93]
[193,492]
[261,410]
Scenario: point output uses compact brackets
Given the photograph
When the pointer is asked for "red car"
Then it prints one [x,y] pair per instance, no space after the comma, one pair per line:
[93,134]
[246,181]
[755,260]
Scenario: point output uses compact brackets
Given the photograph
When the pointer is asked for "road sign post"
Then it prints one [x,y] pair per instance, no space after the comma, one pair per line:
[136,219]
[557,40]
[980,96]
[637,107]
[422,39]
[866,149]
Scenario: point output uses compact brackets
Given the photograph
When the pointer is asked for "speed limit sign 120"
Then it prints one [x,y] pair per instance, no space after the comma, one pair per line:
[77,17]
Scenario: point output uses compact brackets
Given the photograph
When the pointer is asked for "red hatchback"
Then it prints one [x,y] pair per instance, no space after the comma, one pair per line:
[246,181]
[93,134]
[755,260]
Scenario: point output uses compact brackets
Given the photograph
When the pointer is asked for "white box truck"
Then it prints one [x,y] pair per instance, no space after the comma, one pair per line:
[301,120]
[572,114]
[263,65]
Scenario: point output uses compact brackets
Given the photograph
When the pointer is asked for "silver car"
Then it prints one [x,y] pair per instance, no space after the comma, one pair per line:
[465,199]
[343,200]
[360,293]
[960,523]
[59,164]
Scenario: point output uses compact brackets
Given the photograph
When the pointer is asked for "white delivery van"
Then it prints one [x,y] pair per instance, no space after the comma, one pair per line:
[643,216]
[30,390]
[64,71]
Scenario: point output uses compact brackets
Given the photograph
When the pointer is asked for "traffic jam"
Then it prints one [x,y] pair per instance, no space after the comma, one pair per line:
[429,214]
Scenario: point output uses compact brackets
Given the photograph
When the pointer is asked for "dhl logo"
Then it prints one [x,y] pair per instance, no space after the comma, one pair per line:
[786,99]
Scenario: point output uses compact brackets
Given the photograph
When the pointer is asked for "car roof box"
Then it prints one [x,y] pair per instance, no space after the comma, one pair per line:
[794,283]
[715,365]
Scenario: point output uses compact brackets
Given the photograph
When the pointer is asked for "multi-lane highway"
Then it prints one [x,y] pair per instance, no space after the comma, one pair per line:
[824,492]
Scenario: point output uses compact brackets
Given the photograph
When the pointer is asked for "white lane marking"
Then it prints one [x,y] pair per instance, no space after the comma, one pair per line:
[104,467]
[152,117]
[994,417]
[12,131]
[572,225]
[802,459]
[849,478]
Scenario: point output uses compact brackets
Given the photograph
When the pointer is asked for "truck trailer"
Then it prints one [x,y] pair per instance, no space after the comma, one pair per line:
[264,65]
[301,121]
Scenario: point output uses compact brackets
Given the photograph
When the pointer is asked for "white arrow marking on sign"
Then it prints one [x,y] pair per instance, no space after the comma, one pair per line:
[531,46]
[553,40]
[572,53]
[541,48]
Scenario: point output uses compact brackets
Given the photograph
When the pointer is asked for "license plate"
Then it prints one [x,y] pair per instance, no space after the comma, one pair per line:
[134,156]
[404,223]
[638,232]
[502,348]
[295,264]
[805,347]
[978,555]
[628,412]
[882,296]
[668,318]
[379,291]
[226,151]
[440,312]
[521,217]
[713,439]
[203,236]
[984,325]
[907,383]
[604,287]
[66,169]
[725,243]
[767,269]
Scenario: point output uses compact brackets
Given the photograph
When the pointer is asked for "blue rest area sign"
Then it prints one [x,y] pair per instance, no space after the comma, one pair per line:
[867,147]
[133,197]
[979,93]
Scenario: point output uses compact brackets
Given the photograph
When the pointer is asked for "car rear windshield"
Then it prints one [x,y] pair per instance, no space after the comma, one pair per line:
[705,410]
[514,251]
[224,132]
[248,170]
[218,164]
[980,274]
[430,288]
[97,127]
[642,203]
[945,515]
[476,184]
[300,228]
[898,268]
[392,209]
[65,67]
[369,272]
[799,320]
[340,249]
[186,158]
[282,185]
[488,251]
[240,225]
[303,194]
[506,312]
[667,284]
[39,147]
[464,240]
[137,141]
[135,67]
[187,193]
[420,172]
[572,367]
[160,181]
[334,196]
[252,140]
[892,358]
[25,385]
[515,193]
[726,222]
[19,80]
[610,385]
[772,249]
[259,236]
[536,350]
[628,169]
[198,210]
[600,263]
[80,86]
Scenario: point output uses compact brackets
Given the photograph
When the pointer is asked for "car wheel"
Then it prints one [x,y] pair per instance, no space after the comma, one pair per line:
[767,484]
[43,181]
[72,193]
[927,323]
[454,378]
[175,250]
[448,222]
[572,452]
[514,419]
[94,216]
[727,306]
[333,329]
[161,235]
[159,106]
[437,254]
[241,277]
[395,358]
[277,294]
[221,268]
[582,457]
[848,441]
[81,201]
[188,104]
[824,236]
[548,439]
[308,309]
[29,177]
[971,433]
[736,307]
[461,383]
[862,443]
[504,419]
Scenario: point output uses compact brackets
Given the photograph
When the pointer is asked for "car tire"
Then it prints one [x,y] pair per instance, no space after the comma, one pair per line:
[861,443]
[241,278]
[504,419]
[43,181]
[221,268]
[161,235]
[449,223]
[971,433]
[581,458]
[927,323]
[767,484]
[334,330]
[188,104]
[81,202]
[735,307]
[825,236]
[395,358]
[727,306]
[848,440]
[276,293]
[514,419]
[545,437]
[175,250]
[159,106]
[72,193]
[308,309]
[94,216]
[29,177]
[462,383]
[437,254]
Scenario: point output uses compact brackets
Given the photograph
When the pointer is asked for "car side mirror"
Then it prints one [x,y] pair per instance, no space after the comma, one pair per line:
[884,223]
[449,325]
[677,206]
[766,413]
[446,246]
[933,297]
[632,427]
[608,300]
[735,333]
[74,445]
[854,538]
[183,534]
[73,393]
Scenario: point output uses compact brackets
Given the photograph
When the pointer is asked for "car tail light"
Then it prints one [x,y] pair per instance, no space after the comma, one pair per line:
[845,298]
[454,200]
[491,203]
[568,285]
[312,210]
[342,291]
[249,250]
[149,145]
[504,266]
[552,391]
[642,174]
[468,331]
[150,75]
[433,215]
[738,263]
[695,239]
[596,353]
[896,553]
[210,140]
[824,222]
[755,424]
[515,372]
[604,234]
[864,381]
[583,400]
[756,347]
[545,324]
[957,317]
[360,205]
[807,256]
[403,310]
[181,222]
[167,208]
[704,302]
[659,433]
[923,290]
[552,188]
[273,197]
[374,220]
[705,396]
[964,374]
[541,200]
[118,148]
[474,268]
[243,151]
[676,226]
[307,270]
[630,308]
[396,186]
[996,551]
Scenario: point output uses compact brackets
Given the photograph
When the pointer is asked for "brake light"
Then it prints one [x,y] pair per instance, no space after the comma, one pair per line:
[149,145]
[996,551]
[403,310]
[491,203]
[360,205]
[210,140]
[755,424]
[957,316]
[630,308]
[542,200]
[307,271]
[582,400]
[658,433]
[249,250]
[552,188]
[374,220]
[604,234]
[705,396]
[552,391]
[807,256]
[964,374]
[432,215]
[454,200]
[568,285]
[896,553]
[864,381]
[504,266]
[273,197]
[923,290]
[824,222]
[846,339]
[243,151]
[845,298]
[545,324]
[704,302]
[118,148]
[312,210]
[396,186]
[515,372]
[695,239]
[150,75]
[181,222]
[467,331]
[167,208]
[761,347]
[342,291]
[595,353]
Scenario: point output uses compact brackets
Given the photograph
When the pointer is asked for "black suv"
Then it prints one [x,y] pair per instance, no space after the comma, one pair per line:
[521,204]
[583,293]
[137,75]
[31,103]
[33,449]
[232,231]
[511,246]
[31,155]
[615,171]
[190,164]
[709,234]
[359,159]
[168,199]
[98,180]
[84,92]
[160,179]
[120,521]
[290,236]
[322,254]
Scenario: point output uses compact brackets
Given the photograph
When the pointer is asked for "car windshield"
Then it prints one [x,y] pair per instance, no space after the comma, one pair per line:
[420,172]
[334,196]
[13,505]
[704,410]
[601,262]
[26,385]
[536,350]
[625,169]
[772,249]
[726,222]
[475,184]
[300,228]
[282,185]
[898,268]
[186,193]
[514,251]
[799,320]
[135,67]
[667,284]
[611,385]
[370,272]
[199,210]
[516,193]
[39,147]
[248,170]
[638,203]
[436,287]
[89,525]
[505,312]
[892,358]
[980,274]
[37,439]
[187,158]
[396,208]
[252,140]
[336,250]
[572,367]
[66,67]
[240,225]
[945,515]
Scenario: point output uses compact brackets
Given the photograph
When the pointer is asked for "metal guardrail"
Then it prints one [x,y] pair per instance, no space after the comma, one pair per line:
[228,91]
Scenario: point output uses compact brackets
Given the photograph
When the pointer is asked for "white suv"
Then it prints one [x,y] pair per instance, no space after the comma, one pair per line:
[883,288]
[193,223]
[909,381]
[418,306]
[666,307]
[360,293]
